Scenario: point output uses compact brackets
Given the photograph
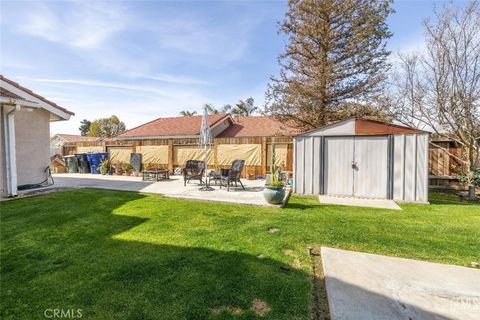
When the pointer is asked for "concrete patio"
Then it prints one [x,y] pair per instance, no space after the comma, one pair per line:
[171,188]
[359,202]
[368,286]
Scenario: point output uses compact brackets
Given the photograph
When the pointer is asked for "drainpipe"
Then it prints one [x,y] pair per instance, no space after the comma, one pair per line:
[10,151]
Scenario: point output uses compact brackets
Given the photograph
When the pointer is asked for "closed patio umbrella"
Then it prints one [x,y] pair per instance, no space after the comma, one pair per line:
[205,141]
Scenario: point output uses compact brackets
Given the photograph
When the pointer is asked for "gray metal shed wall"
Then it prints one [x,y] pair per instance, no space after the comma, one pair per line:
[410,171]
[410,167]
[307,164]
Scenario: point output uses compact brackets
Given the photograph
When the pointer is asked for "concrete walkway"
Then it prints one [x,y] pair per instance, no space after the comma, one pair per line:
[360,202]
[170,188]
[368,286]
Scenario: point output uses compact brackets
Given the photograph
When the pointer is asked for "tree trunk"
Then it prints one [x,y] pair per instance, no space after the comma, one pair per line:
[471,192]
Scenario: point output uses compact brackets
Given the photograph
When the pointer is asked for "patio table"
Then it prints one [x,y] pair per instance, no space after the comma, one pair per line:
[155,175]
[217,176]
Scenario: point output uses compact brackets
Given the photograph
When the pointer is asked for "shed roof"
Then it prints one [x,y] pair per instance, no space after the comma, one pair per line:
[361,127]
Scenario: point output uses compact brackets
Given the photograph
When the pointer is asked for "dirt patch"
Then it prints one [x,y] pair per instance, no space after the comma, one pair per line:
[229,309]
[273,230]
[296,261]
[319,302]
[260,307]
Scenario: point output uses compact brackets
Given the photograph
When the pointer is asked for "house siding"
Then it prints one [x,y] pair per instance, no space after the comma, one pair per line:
[32,135]
[3,192]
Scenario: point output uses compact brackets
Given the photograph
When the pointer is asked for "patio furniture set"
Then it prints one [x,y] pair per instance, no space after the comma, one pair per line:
[195,170]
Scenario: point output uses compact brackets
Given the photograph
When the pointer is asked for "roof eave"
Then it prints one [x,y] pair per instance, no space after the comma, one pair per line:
[17,90]
[156,137]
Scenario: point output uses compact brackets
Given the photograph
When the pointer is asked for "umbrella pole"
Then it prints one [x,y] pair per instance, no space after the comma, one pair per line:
[207,186]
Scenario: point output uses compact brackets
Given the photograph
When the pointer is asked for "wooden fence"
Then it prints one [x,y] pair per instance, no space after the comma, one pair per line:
[443,168]
[250,171]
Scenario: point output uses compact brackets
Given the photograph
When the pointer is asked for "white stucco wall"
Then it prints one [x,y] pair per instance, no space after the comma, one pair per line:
[32,134]
[2,155]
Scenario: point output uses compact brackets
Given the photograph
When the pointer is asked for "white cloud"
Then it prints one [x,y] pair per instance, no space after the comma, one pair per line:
[82,24]
[175,79]
[95,83]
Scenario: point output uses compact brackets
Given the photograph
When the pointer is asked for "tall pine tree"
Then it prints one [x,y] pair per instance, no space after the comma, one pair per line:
[336,55]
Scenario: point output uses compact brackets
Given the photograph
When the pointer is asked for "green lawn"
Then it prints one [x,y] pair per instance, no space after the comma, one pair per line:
[120,255]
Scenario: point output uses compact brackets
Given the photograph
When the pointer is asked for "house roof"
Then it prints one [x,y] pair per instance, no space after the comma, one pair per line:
[173,126]
[257,126]
[14,90]
[75,138]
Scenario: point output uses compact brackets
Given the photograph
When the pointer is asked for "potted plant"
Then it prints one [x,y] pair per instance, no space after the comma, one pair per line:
[472,180]
[127,168]
[104,167]
[146,166]
[118,169]
[274,192]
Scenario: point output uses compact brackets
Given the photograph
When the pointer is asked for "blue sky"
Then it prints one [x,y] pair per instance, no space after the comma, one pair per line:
[145,59]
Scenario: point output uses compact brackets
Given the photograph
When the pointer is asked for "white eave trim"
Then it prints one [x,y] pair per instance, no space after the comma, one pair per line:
[40,104]
[21,102]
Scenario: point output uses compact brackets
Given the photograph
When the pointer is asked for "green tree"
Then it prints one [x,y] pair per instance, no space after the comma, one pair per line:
[336,53]
[211,108]
[242,108]
[106,127]
[187,113]
[84,127]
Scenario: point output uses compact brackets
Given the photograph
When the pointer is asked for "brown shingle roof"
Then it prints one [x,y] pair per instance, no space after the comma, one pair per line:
[76,138]
[53,104]
[257,126]
[173,126]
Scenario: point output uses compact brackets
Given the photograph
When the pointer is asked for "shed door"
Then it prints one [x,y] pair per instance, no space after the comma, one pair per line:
[338,165]
[371,167]
[356,166]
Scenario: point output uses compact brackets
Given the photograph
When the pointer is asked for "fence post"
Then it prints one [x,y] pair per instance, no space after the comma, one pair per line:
[170,156]
[264,156]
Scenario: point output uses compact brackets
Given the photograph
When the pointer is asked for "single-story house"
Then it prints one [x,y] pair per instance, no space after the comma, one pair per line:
[25,135]
[169,142]
[58,141]
[363,158]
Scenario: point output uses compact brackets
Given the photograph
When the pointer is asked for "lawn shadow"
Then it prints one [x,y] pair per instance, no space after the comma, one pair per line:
[54,256]
[450,198]
[73,259]
[297,202]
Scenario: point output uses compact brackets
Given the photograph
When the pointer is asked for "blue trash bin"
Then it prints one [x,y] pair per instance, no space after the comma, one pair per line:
[94,160]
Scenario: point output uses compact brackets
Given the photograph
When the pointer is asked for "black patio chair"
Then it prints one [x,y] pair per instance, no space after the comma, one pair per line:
[233,174]
[193,170]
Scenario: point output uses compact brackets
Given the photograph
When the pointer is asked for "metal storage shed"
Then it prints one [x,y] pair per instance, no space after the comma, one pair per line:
[363,158]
